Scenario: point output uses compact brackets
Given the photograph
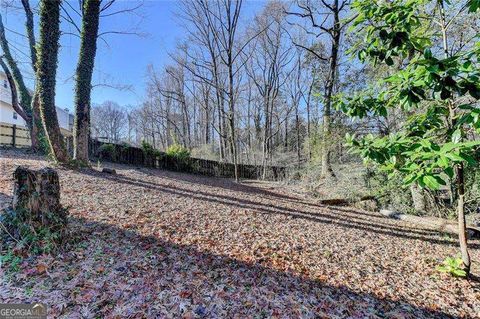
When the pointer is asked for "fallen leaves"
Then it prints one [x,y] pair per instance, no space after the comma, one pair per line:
[150,243]
[41,268]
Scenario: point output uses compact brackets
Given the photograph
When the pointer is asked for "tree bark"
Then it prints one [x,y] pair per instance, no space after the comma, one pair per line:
[30,33]
[83,85]
[327,171]
[13,90]
[459,170]
[37,132]
[231,111]
[462,228]
[297,127]
[309,135]
[36,200]
[418,198]
[47,63]
[25,98]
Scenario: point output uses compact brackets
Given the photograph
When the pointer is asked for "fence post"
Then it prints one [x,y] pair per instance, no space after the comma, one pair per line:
[14,135]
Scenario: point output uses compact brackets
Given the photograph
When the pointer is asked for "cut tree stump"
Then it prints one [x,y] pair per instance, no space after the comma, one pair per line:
[109,171]
[36,198]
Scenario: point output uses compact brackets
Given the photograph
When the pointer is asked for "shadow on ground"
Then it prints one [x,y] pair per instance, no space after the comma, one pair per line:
[148,277]
[111,271]
[348,218]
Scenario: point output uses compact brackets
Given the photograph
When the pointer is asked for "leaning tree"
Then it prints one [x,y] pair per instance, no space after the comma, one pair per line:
[23,101]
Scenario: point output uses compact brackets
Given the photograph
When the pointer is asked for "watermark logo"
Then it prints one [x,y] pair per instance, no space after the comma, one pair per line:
[23,311]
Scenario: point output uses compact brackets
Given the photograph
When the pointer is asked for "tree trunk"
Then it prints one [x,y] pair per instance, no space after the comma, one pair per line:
[221,137]
[36,200]
[39,142]
[462,229]
[83,86]
[13,91]
[309,135]
[37,134]
[231,114]
[297,127]
[285,140]
[234,147]
[207,126]
[25,98]
[418,198]
[327,171]
[46,76]
[30,33]
[266,141]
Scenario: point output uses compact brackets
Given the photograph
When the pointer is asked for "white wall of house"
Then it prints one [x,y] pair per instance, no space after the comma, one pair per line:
[64,118]
[9,116]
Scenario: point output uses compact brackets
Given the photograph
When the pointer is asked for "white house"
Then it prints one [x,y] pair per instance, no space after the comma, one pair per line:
[9,116]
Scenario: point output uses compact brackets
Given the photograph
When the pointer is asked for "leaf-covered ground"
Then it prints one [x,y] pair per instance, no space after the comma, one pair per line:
[156,244]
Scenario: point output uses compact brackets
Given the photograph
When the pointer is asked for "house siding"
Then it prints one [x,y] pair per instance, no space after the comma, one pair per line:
[6,110]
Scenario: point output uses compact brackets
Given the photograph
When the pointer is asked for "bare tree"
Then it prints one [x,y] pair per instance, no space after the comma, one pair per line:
[205,63]
[295,87]
[325,18]
[109,122]
[269,69]
[216,27]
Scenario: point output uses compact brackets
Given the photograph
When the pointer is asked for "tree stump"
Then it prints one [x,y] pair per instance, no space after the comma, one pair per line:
[109,171]
[36,199]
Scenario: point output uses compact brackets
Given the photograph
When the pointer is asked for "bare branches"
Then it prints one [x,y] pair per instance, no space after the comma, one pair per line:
[73,15]
[30,33]
[132,9]
[122,33]
[316,54]
[68,17]
[105,80]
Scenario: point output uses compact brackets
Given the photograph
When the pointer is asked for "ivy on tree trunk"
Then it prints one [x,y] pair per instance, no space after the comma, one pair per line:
[47,62]
[83,86]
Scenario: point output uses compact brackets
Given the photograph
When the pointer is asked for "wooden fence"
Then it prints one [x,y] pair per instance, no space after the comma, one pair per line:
[14,136]
[18,136]
[136,156]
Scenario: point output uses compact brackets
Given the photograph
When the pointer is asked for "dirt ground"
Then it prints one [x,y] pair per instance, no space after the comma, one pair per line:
[155,244]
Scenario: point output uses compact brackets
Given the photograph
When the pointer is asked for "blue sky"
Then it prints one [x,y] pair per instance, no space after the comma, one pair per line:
[124,60]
